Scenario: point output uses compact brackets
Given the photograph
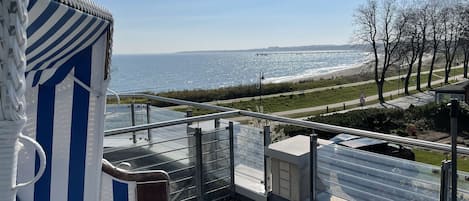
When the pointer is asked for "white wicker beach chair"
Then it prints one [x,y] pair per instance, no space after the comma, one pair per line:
[57,64]
[66,76]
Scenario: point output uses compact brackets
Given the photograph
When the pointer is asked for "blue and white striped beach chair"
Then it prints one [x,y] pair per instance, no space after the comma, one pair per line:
[68,57]
[66,75]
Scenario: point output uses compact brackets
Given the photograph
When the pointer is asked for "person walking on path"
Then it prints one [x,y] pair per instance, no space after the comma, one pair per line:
[362,99]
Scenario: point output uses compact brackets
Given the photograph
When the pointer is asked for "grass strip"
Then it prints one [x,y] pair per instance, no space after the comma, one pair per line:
[326,97]
[435,158]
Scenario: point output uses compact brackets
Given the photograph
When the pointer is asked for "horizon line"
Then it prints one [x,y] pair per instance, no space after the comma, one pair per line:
[237,50]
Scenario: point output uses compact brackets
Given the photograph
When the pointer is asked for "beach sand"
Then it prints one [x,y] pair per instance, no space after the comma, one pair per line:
[364,68]
[355,70]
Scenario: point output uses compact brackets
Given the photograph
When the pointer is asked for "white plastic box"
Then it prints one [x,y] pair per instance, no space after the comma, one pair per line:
[290,168]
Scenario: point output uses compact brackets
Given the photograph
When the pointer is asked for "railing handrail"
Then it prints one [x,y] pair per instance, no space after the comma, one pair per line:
[225,111]
[161,124]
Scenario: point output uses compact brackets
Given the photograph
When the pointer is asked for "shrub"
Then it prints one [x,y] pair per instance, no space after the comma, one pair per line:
[394,121]
[206,95]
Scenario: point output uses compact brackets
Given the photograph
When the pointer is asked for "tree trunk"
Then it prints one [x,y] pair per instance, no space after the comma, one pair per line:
[419,65]
[447,71]
[429,82]
[465,63]
[407,80]
[419,68]
[450,64]
[379,85]
[465,68]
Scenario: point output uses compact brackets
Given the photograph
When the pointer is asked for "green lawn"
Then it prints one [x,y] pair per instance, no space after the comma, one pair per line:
[314,113]
[354,78]
[435,158]
[196,111]
[113,100]
[289,102]
[457,71]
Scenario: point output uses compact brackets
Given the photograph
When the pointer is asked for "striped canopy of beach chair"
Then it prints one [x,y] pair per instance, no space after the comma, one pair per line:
[68,56]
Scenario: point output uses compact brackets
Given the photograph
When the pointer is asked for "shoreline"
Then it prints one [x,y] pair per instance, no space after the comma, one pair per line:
[355,69]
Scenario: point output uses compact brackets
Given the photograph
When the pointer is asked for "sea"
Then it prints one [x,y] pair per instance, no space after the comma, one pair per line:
[208,70]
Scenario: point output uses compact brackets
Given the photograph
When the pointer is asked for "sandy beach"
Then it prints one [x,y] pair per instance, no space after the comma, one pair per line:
[363,68]
[353,70]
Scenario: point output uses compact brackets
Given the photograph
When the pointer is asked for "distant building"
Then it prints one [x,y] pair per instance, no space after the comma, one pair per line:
[458,91]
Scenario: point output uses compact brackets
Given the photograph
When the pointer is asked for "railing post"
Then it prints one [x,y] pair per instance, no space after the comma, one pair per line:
[267,142]
[199,174]
[188,114]
[149,121]
[217,123]
[191,140]
[313,165]
[132,116]
[454,113]
[444,182]
[232,163]
[217,142]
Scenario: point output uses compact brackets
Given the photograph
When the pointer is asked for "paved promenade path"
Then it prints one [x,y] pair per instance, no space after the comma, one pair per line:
[415,99]
[309,90]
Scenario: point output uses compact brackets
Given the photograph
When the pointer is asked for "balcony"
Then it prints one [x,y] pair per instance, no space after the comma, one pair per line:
[209,157]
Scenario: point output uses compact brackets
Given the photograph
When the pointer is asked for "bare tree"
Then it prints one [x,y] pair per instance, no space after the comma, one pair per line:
[380,27]
[465,52]
[450,32]
[365,18]
[410,47]
[422,22]
[435,25]
[464,39]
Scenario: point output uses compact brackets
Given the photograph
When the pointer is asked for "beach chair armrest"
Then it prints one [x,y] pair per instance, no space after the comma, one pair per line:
[150,185]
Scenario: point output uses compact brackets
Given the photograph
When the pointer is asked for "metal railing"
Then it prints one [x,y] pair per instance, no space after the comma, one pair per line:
[229,112]
[360,175]
[199,163]
[365,175]
[297,122]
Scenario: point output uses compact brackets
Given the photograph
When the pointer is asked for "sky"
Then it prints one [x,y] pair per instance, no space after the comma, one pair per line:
[166,26]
